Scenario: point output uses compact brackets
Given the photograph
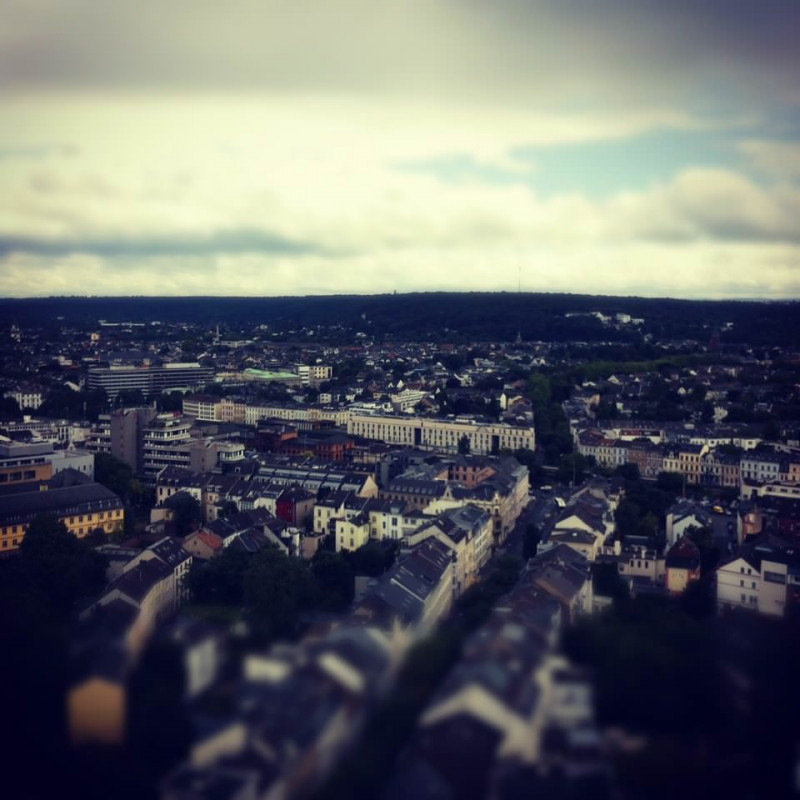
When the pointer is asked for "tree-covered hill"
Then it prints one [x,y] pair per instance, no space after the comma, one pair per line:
[471,316]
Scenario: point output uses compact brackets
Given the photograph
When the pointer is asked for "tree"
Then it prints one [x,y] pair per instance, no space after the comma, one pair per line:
[605,410]
[228,509]
[372,558]
[670,482]
[171,401]
[186,513]
[463,445]
[61,401]
[526,457]
[530,542]
[772,430]
[630,472]
[115,475]
[158,730]
[63,567]
[607,581]
[334,576]
[9,409]
[276,590]
[709,552]
[571,468]
[129,398]
[220,580]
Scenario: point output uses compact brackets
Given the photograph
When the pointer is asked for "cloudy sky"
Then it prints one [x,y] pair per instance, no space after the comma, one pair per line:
[268,147]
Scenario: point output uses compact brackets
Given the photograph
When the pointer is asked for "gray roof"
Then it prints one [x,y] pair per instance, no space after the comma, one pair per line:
[70,500]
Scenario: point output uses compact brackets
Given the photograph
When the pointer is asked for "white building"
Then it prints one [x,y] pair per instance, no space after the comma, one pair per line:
[443,435]
[763,577]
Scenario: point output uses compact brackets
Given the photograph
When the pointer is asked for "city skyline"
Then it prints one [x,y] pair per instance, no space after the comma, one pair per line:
[274,149]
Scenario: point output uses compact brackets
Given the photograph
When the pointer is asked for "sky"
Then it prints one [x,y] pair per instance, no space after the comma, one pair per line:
[289,147]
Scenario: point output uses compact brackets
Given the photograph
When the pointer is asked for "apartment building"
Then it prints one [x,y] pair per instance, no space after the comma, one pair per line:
[165,442]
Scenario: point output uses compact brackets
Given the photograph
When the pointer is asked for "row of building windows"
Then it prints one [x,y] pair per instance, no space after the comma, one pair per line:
[752,599]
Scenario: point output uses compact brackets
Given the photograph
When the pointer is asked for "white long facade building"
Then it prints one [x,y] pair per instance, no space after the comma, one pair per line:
[442,435]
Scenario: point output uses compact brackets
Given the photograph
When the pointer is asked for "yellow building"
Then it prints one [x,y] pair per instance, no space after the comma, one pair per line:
[83,509]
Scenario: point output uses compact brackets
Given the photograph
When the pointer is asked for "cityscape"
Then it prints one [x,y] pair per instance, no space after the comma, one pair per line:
[399,401]
[267,559]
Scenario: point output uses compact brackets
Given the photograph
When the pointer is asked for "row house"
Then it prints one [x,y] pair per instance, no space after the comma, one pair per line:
[720,469]
[470,470]
[314,476]
[467,531]
[606,452]
[649,458]
[171,554]
[637,561]
[763,467]
[354,520]
[415,594]
[232,409]
[685,459]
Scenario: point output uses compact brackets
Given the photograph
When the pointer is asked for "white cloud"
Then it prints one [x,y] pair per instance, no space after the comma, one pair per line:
[777,159]
[286,195]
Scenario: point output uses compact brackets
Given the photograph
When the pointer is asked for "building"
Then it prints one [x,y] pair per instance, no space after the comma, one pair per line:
[416,593]
[763,576]
[83,509]
[314,374]
[444,435]
[27,397]
[165,442]
[148,379]
[203,407]
[467,531]
[682,564]
[25,463]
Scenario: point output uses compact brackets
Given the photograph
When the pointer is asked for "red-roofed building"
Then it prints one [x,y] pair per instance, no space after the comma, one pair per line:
[682,564]
[203,544]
